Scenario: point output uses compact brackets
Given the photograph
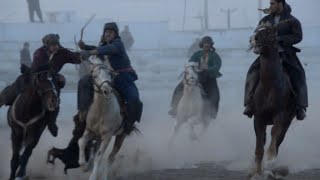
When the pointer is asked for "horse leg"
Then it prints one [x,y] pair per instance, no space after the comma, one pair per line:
[177,126]
[24,158]
[275,134]
[116,147]
[194,122]
[83,141]
[16,146]
[99,171]
[193,135]
[282,134]
[260,131]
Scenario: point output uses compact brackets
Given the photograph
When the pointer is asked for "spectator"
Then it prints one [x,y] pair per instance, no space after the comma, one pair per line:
[25,57]
[34,6]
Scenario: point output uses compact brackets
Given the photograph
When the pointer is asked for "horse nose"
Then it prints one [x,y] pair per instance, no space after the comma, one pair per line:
[106,92]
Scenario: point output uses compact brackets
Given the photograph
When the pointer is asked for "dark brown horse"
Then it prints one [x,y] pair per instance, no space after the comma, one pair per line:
[27,118]
[273,99]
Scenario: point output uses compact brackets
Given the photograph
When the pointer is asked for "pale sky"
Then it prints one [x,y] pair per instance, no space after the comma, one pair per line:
[246,13]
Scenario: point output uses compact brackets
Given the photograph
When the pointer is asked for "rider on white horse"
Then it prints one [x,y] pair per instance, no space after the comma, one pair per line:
[112,46]
[209,64]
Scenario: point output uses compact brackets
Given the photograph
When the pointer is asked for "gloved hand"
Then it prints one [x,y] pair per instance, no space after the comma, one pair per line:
[81,44]
[84,55]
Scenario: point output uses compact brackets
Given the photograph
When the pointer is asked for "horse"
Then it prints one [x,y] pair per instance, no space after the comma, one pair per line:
[273,100]
[28,116]
[192,108]
[104,120]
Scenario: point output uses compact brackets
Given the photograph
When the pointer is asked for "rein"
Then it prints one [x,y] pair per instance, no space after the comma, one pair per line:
[29,123]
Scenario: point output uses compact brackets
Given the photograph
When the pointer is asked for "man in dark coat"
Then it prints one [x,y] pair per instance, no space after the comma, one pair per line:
[25,57]
[209,64]
[289,33]
[53,55]
[34,6]
[127,38]
[112,46]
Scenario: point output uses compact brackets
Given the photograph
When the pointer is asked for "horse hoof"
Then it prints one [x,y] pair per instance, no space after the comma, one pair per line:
[22,178]
[256,177]
[280,172]
[85,167]
[269,174]
[269,164]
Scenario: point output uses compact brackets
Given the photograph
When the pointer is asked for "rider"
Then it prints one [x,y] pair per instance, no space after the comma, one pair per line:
[289,33]
[127,38]
[112,46]
[51,54]
[209,64]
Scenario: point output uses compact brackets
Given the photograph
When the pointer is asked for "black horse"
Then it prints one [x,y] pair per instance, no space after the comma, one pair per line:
[28,116]
[274,99]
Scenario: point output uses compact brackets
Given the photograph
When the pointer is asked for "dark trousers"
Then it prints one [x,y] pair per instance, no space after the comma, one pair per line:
[34,6]
[297,79]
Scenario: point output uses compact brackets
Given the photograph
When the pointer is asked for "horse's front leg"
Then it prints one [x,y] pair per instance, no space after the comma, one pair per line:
[24,158]
[16,146]
[83,141]
[278,133]
[100,168]
[260,131]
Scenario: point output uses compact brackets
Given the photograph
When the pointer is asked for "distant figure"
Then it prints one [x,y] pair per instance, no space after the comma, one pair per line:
[25,57]
[127,38]
[34,6]
[194,47]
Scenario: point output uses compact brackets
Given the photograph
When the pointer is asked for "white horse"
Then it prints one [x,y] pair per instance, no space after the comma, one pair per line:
[192,108]
[103,121]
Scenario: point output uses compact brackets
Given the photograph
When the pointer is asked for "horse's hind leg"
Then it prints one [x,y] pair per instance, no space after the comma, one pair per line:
[16,146]
[116,147]
[24,158]
[260,130]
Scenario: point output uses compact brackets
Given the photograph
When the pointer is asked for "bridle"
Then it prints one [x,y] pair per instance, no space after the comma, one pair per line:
[191,78]
[99,86]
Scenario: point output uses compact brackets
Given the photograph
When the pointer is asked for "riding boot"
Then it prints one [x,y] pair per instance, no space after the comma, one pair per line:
[248,111]
[52,126]
[177,95]
[134,114]
[299,85]
[85,93]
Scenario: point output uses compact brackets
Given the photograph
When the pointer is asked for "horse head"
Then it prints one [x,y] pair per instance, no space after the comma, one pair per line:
[264,35]
[191,70]
[42,81]
[101,74]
